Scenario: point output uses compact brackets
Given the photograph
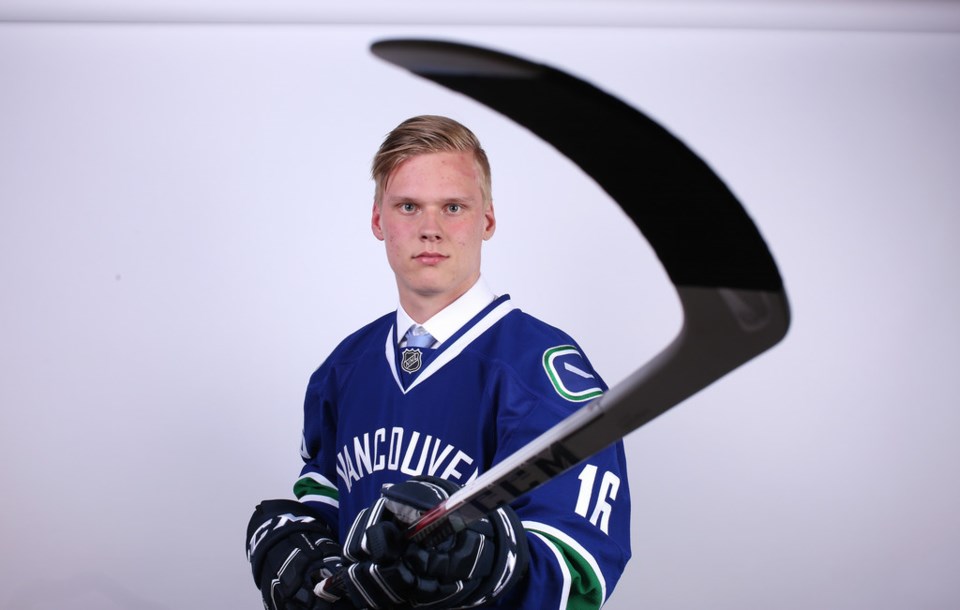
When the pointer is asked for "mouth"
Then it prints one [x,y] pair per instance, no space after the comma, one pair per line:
[430,258]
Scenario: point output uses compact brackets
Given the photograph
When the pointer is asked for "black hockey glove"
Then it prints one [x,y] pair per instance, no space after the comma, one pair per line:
[290,550]
[473,567]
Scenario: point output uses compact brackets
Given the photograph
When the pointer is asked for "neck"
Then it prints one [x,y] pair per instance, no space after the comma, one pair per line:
[421,307]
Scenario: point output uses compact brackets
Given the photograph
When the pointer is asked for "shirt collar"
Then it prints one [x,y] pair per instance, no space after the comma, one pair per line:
[452,317]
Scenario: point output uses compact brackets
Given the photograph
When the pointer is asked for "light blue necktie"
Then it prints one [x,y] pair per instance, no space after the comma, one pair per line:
[418,336]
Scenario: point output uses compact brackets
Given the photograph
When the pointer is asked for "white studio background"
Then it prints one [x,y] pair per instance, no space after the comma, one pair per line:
[184,236]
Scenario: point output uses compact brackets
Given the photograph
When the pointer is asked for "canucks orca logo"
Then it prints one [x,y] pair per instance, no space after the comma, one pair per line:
[572,377]
[410,360]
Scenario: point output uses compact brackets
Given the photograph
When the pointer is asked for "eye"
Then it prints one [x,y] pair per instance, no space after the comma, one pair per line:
[454,208]
[408,208]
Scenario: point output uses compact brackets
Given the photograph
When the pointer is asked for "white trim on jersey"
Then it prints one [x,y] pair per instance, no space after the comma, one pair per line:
[536,527]
[452,351]
[321,500]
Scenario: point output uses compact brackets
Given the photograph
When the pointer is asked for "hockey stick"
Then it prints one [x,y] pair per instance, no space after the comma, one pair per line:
[734,305]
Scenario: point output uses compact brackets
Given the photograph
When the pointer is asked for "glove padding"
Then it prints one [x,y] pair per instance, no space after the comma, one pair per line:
[475,566]
[290,549]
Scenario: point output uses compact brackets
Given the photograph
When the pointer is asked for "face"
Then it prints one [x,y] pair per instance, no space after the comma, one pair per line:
[433,221]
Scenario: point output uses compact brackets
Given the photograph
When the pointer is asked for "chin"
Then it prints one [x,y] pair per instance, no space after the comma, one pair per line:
[430,290]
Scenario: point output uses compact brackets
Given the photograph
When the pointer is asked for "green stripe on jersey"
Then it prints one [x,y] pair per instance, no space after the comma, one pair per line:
[586,591]
[306,486]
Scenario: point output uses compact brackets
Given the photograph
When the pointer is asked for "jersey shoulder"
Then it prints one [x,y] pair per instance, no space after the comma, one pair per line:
[533,330]
[358,344]
[544,356]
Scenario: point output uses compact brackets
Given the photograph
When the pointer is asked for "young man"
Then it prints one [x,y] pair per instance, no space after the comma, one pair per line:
[423,400]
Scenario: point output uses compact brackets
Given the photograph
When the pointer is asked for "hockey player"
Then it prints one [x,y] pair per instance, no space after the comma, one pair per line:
[421,401]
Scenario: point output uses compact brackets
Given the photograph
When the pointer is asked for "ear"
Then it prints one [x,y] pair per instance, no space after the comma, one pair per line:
[490,222]
[375,222]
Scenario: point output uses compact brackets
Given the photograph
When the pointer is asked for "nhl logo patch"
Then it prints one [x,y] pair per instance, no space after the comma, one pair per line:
[411,360]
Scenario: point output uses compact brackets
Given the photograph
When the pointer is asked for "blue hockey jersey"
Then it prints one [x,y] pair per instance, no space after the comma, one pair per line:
[378,413]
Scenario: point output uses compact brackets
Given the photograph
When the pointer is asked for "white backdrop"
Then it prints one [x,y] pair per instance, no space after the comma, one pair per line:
[184,236]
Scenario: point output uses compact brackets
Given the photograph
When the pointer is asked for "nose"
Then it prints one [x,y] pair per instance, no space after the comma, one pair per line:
[430,227]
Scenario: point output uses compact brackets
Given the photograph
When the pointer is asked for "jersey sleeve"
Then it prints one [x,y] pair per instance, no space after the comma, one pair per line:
[578,523]
[316,485]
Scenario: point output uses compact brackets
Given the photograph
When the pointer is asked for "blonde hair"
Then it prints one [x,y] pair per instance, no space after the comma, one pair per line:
[426,134]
